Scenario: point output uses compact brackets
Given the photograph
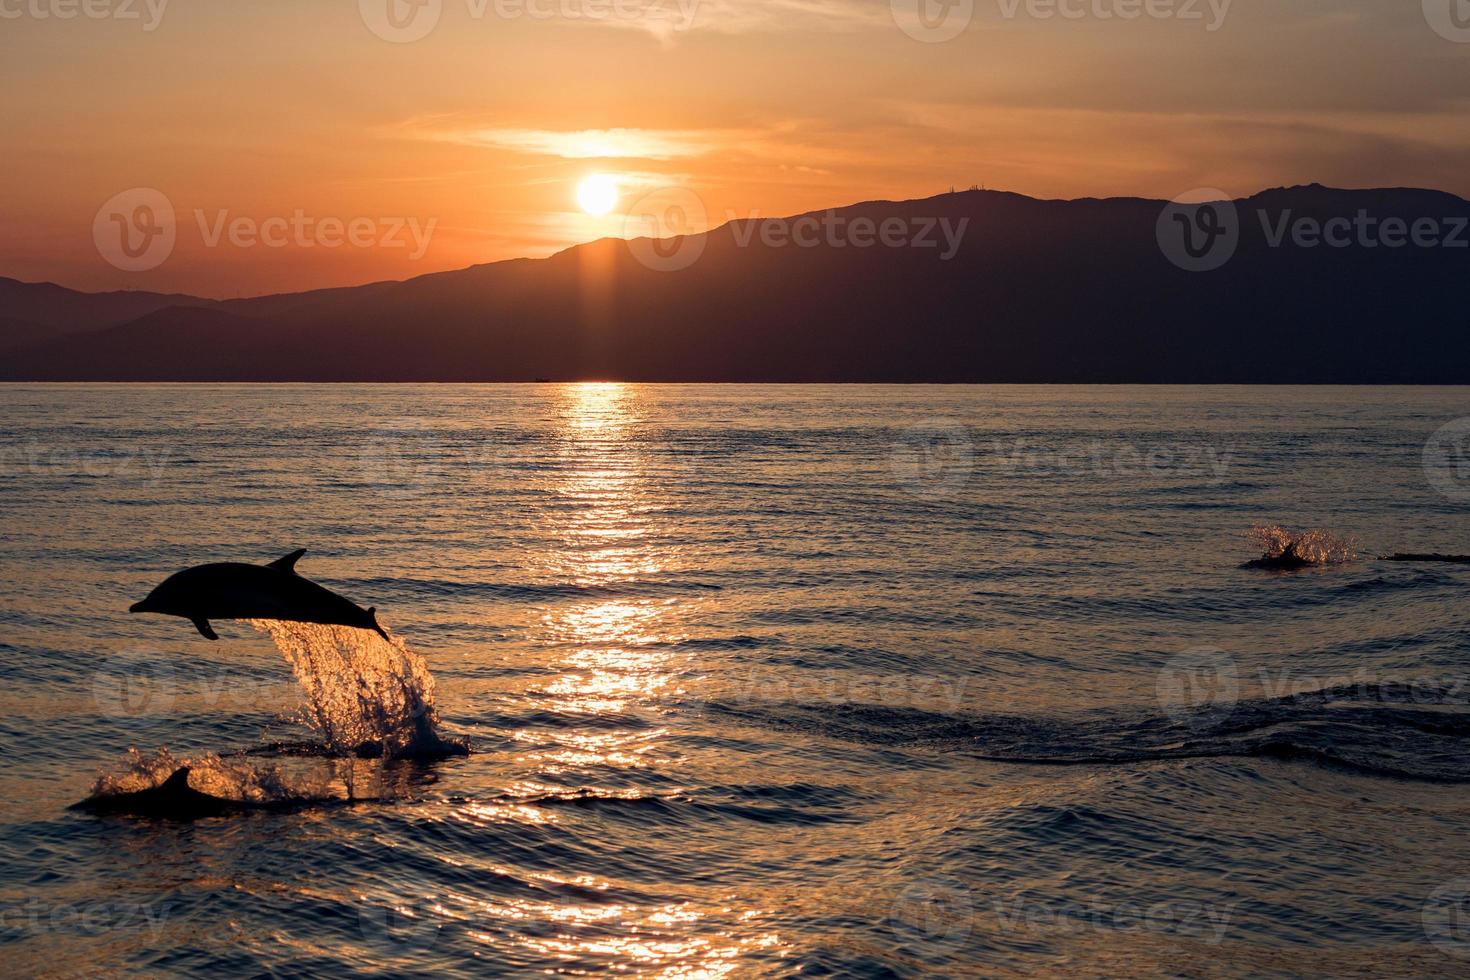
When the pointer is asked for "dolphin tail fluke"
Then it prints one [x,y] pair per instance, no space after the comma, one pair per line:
[205,630]
[373,616]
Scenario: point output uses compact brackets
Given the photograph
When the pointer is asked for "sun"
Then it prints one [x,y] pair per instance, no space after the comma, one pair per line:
[598,194]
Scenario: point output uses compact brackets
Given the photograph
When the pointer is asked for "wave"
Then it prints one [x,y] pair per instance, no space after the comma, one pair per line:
[1410,730]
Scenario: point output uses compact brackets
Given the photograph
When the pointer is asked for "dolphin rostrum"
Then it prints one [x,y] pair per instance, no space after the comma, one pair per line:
[235,590]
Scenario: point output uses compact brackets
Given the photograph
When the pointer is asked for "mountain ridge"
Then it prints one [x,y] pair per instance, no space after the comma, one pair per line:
[1038,290]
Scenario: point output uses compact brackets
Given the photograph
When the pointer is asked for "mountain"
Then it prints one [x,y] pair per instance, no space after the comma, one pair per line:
[34,312]
[1035,291]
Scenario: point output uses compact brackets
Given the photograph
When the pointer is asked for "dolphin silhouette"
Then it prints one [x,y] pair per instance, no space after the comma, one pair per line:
[235,590]
[175,799]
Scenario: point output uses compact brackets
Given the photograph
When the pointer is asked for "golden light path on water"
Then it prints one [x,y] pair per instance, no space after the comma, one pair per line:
[616,657]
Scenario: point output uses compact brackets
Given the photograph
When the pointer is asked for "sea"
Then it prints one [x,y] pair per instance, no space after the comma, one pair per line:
[753,681]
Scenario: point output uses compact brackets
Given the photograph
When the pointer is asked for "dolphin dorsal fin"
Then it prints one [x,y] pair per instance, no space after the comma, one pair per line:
[179,780]
[287,563]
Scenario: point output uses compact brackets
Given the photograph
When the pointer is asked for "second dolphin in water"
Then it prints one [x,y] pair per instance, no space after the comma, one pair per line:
[235,590]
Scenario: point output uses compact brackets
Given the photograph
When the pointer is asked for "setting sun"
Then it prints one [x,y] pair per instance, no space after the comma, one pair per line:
[598,194]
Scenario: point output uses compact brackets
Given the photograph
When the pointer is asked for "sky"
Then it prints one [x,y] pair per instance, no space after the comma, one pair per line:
[310,143]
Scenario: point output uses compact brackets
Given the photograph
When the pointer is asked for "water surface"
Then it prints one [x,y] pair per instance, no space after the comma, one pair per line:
[761,680]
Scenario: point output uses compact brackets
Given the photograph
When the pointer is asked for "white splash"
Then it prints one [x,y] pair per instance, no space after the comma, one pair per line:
[364,694]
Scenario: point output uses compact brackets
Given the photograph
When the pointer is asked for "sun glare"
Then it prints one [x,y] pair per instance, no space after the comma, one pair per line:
[598,194]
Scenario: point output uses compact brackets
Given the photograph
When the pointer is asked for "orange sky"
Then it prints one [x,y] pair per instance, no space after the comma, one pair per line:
[477,133]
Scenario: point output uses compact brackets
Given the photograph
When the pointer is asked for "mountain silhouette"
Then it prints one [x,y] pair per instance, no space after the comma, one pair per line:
[1037,291]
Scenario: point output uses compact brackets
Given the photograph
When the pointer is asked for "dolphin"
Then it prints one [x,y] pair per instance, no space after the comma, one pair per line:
[175,799]
[235,590]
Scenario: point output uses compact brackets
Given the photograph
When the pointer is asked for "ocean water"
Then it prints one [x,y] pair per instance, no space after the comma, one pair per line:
[758,680]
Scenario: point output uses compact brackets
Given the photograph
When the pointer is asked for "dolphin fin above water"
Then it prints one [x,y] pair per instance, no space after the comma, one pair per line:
[287,563]
[235,590]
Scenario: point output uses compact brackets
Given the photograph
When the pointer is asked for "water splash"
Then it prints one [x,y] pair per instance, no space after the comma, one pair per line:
[1313,547]
[365,695]
[226,779]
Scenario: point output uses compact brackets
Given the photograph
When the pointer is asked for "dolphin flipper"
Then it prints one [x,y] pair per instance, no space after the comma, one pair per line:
[287,563]
[373,615]
[205,630]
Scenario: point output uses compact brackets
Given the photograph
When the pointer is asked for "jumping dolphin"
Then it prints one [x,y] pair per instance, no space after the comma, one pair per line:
[235,590]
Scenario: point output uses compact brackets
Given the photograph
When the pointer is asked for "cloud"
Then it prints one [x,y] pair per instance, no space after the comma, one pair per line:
[590,144]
